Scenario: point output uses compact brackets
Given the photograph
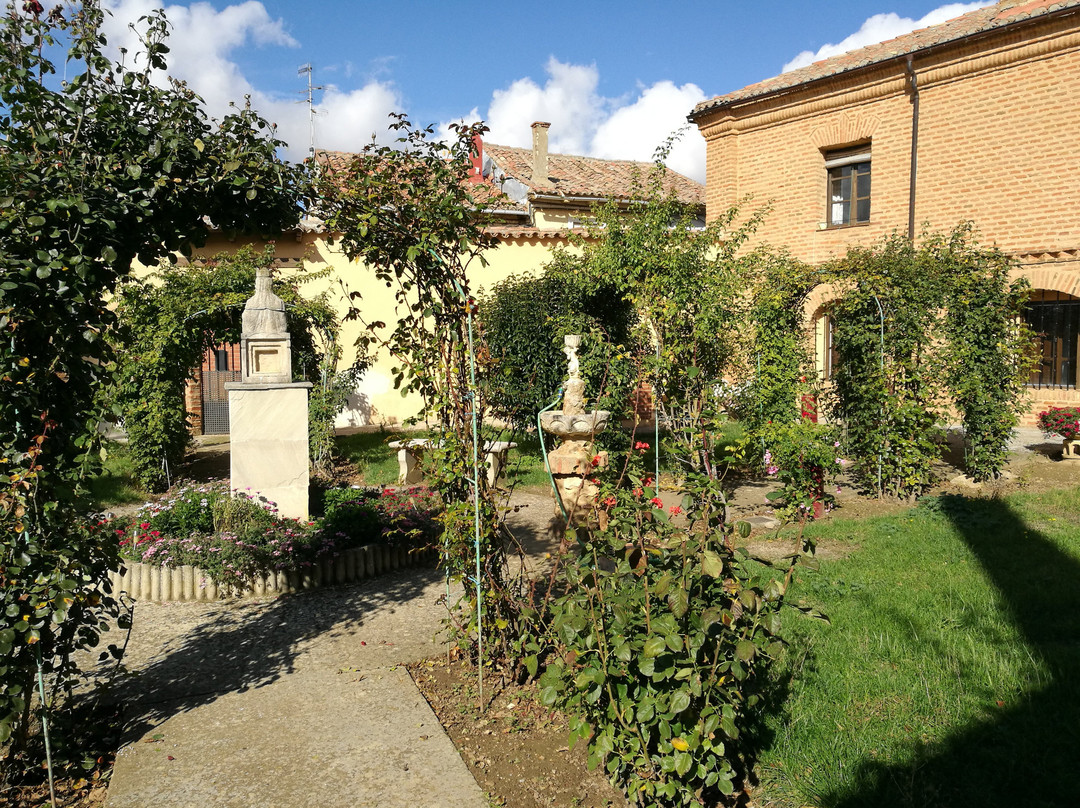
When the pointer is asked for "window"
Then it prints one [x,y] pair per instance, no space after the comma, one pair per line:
[1055,319]
[849,185]
[221,359]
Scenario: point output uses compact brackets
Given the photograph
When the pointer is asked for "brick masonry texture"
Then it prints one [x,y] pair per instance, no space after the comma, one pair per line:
[998,144]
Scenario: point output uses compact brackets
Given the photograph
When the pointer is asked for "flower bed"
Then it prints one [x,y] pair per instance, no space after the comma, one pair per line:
[201,543]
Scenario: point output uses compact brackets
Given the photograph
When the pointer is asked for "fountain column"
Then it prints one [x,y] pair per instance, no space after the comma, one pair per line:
[575,461]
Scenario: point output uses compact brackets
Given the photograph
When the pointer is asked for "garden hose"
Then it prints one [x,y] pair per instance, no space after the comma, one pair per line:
[543,450]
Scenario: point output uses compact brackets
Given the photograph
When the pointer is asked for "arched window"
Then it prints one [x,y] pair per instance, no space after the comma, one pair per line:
[1055,318]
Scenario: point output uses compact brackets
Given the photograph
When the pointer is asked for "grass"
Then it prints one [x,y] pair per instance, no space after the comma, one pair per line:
[948,674]
[115,486]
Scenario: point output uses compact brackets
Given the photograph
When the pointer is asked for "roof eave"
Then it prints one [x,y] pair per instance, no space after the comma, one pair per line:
[697,114]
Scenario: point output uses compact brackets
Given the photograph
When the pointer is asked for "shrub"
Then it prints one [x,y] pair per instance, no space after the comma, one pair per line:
[663,635]
[235,539]
[1061,421]
[805,457]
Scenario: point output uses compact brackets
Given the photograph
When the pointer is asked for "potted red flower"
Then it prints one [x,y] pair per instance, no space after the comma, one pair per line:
[1065,422]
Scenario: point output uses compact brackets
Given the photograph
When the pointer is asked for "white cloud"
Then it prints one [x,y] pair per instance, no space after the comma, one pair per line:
[568,101]
[201,41]
[880,27]
[634,131]
[586,123]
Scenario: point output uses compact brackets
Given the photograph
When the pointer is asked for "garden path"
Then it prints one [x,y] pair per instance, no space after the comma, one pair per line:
[296,701]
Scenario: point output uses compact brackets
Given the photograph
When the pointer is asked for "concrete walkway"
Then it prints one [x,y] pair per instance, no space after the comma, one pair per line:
[286,703]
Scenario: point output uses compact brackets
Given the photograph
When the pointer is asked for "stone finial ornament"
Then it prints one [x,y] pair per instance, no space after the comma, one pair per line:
[265,344]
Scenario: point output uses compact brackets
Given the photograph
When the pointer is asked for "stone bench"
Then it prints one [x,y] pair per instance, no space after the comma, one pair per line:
[410,451]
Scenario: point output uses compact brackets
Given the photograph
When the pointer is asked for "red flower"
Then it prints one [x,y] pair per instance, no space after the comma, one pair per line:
[657,502]
[637,492]
[674,510]
[611,502]
[145,525]
[641,445]
[595,461]
[647,480]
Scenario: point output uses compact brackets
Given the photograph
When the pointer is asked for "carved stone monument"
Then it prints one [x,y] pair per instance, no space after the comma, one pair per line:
[576,460]
[268,412]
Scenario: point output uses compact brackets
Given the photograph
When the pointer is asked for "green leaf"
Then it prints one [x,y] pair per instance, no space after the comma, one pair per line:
[711,564]
[683,762]
[680,700]
[745,650]
[654,646]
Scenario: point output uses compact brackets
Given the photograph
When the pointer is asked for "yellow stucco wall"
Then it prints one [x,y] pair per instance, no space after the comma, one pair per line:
[376,401]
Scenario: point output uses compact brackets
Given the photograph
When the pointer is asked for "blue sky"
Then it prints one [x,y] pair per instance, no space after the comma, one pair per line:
[613,78]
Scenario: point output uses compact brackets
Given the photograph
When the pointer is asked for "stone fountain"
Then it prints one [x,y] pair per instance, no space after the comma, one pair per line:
[576,460]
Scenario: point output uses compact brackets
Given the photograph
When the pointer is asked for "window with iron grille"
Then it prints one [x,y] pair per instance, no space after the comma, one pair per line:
[848,185]
[1055,319]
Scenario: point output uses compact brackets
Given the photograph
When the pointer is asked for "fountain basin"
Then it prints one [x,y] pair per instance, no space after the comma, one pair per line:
[580,426]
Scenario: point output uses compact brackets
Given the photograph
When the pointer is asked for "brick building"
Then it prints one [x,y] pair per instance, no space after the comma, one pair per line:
[977,118]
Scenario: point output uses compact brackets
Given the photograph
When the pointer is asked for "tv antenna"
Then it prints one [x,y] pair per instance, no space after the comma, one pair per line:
[312,112]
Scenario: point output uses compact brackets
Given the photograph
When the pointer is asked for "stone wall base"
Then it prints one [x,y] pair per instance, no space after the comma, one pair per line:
[159,584]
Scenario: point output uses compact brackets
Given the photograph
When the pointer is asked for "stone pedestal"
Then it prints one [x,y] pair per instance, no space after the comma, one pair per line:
[269,443]
[1070,449]
[572,468]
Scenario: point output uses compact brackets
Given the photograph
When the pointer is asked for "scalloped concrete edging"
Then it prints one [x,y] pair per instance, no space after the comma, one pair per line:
[159,584]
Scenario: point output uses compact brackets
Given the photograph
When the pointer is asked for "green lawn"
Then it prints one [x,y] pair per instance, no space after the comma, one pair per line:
[950,673]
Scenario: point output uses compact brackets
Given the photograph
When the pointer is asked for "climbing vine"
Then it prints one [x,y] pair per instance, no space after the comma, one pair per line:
[989,357]
[406,213]
[106,167]
[919,328]
[167,322]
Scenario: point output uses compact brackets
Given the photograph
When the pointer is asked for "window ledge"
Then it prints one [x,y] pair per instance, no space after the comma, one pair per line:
[829,227]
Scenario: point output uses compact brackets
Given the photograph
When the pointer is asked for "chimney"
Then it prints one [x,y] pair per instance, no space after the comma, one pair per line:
[476,160]
[540,151]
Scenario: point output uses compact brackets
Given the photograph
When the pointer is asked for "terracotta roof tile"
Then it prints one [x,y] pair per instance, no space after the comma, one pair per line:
[485,194]
[999,15]
[510,233]
[591,177]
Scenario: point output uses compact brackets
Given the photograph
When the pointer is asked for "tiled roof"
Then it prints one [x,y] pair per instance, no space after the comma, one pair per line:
[999,15]
[590,177]
[510,233]
[485,194]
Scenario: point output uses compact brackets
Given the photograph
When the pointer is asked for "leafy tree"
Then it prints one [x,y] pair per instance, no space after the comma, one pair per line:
[524,321]
[95,172]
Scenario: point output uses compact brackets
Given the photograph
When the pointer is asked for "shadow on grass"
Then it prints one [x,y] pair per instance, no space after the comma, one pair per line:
[1029,753]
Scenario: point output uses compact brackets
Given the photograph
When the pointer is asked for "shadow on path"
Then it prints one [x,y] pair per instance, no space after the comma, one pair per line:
[240,646]
[1029,754]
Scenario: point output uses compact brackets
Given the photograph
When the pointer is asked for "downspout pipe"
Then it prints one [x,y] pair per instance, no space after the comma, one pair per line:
[914,173]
